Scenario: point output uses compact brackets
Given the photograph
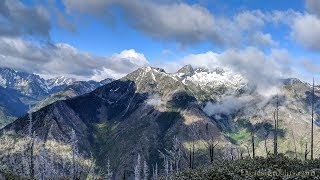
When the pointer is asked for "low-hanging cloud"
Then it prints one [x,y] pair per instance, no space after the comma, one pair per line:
[227,105]
[259,68]
[155,101]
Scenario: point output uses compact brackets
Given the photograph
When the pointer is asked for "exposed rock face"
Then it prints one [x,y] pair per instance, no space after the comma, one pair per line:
[143,112]
[18,90]
[32,85]
[76,89]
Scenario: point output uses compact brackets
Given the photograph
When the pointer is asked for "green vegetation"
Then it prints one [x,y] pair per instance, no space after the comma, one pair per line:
[242,135]
[258,168]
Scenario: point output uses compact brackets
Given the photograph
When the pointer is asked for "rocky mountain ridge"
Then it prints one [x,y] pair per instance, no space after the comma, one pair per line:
[20,89]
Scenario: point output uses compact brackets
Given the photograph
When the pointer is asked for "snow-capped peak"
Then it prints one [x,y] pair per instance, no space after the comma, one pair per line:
[59,81]
[206,77]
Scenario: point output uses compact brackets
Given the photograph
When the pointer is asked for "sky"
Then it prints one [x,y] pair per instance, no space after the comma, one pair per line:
[98,39]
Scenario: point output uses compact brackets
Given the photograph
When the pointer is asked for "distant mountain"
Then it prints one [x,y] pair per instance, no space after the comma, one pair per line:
[32,85]
[18,90]
[11,105]
[59,83]
[75,89]
[145,111]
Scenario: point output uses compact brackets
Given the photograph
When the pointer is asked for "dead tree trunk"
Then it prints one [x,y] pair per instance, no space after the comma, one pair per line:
[191,156]
[238,152]
[295,146]
[211,149]
[231,153]
[266,147]
[252,143]
[276,119]
[312,112]
[31,145]
[248,151]
[306,152]
[32,158]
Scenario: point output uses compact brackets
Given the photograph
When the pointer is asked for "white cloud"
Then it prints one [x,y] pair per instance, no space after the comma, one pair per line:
[263,40]
[155,101]
[63,59]
[306,31]
[259,68]
[313,6]
[131,57]
[175,21]
[180,22]
[249,20]
[310,66]
[85,6]
[16,19]
[227,105]
[98,75]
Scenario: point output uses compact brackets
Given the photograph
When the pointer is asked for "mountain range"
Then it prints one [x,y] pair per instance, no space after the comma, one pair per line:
[21,89]
[143,113]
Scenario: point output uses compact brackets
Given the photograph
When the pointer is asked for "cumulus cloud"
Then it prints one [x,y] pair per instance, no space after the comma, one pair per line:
[263,40]
[84,6]
[63,59]
[16,19]
[248,20]
[179,21]
[175,21]
[127,60]
[313,6]
[259,68]
[310,66]
[305,30]
[250,61]
[61,18]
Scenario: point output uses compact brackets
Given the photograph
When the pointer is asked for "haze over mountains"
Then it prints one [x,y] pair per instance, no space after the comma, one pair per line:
[143,112]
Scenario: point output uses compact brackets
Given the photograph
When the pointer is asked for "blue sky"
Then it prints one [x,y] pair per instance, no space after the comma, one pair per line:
[113,38]
[101,39]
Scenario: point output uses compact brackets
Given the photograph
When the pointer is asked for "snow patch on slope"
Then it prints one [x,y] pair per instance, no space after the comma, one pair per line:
[218,77]
[59,81]
[3,82]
